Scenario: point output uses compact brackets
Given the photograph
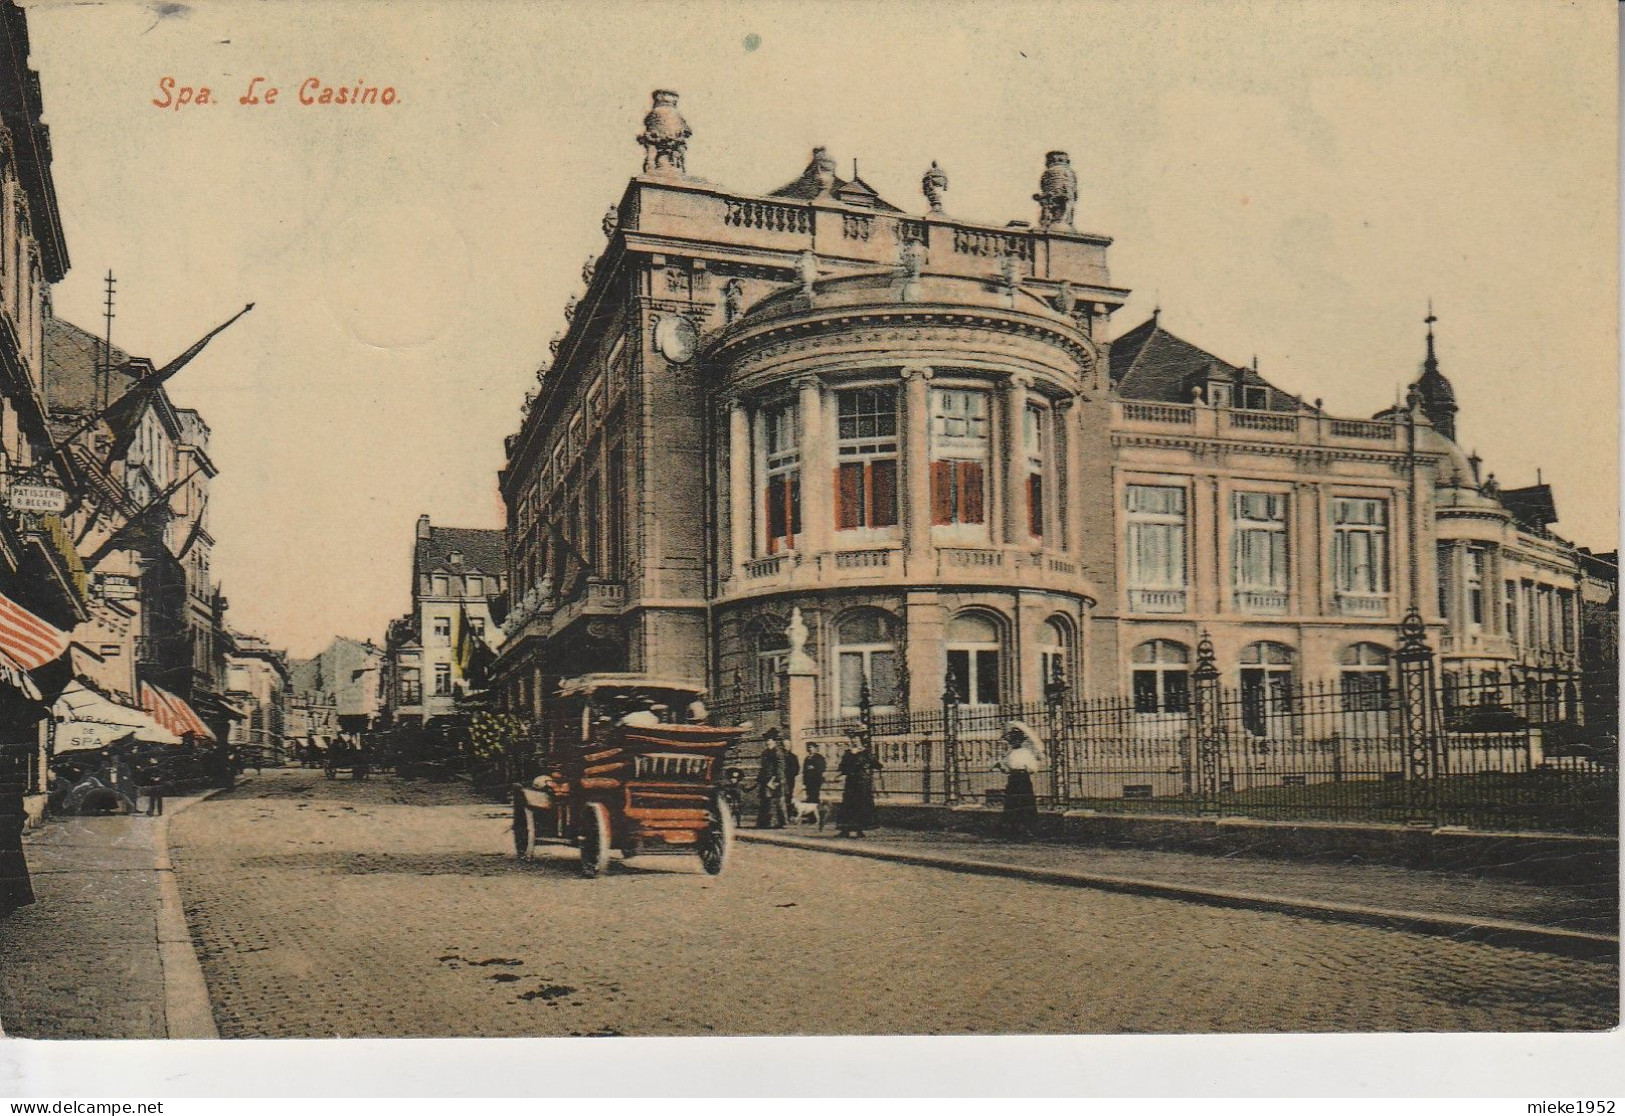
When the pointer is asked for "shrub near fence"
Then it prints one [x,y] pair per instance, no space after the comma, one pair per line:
[1333,752]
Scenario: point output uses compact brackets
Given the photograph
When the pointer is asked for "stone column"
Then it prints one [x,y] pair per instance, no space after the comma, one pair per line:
[1305,554]
[817,470]
[800,687]
[1205,560]
[916,447]
[1015,463]
[740,504]
[1068,473]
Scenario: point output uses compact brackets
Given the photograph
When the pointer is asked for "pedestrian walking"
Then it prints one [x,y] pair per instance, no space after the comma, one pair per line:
[812,774]
[792,771]
[152,783]
[857,810]
[770,785]
[1020,764]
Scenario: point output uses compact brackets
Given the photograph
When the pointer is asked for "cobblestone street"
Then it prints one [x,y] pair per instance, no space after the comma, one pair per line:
[388,908]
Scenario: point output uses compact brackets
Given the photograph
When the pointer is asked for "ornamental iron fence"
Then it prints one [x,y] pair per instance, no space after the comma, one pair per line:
[1381,743]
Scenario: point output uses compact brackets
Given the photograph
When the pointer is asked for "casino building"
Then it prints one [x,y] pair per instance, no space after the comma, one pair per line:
[926,434]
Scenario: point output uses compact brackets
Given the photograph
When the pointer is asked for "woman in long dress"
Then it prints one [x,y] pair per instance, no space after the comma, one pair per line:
[857,809]
[1020,764]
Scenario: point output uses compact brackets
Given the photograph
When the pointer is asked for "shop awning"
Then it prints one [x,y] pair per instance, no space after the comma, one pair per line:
[173,713]
[26,639]
[87,720]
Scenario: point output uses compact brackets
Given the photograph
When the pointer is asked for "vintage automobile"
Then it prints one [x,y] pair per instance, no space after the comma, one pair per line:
[626,762]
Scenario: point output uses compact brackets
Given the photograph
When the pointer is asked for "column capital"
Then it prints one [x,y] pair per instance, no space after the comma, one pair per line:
[923,371]
[1019,380]
[809,382]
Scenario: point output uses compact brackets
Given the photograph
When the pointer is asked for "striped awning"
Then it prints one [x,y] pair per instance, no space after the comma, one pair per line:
[173,713]
[26,639]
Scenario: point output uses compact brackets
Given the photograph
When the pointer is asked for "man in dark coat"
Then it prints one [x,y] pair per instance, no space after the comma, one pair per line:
[812,773]
[857,810]
[792,769]
[770,785]
[15,888]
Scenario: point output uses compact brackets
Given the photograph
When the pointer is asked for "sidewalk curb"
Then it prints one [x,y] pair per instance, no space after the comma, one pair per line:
[1499,932]
[187,1011]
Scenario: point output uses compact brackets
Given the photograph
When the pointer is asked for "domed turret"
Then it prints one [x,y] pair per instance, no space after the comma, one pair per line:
[1437,397]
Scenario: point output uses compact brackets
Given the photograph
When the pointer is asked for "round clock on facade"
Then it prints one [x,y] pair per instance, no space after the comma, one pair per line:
[676,339]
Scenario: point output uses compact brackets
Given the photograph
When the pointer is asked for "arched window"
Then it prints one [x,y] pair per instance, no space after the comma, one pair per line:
[1266,685]
[866,648]
[1364,677]
[772,656]
[1054,645]
[973,658]
[1161,677]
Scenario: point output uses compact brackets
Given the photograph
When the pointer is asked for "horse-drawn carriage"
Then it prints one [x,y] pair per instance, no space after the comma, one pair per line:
[627,763]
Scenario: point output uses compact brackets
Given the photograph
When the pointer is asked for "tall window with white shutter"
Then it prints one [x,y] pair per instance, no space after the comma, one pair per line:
[1156,520]
[1259,551]
[1360,555]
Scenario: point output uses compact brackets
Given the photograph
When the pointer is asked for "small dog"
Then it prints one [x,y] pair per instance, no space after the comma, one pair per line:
[807,813]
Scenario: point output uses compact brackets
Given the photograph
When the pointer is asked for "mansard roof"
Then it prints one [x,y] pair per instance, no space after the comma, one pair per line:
[854,191]
[1149,363]
[1533,506]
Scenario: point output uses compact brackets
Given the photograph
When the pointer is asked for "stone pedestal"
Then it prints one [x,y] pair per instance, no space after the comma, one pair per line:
[800,705]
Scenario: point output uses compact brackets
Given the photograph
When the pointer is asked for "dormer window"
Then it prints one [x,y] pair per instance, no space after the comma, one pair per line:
[456,558]
[1255,398]
[1218,393]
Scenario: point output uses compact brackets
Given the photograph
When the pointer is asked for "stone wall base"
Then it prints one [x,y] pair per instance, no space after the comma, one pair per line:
[1538,858]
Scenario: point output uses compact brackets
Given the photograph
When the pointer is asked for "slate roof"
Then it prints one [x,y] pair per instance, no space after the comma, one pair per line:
[71,357]
[482,550]
[1533,507]
[854,191]
[1149,363]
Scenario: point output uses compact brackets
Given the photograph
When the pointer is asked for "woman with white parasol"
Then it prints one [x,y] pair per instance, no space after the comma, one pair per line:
[1020,764]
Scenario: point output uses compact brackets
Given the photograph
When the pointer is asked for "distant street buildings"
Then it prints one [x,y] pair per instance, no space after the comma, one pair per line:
[336,691]
[113,636]
[438,652]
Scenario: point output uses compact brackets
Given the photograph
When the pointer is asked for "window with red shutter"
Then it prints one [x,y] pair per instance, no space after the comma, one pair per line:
[971,491]
[849,495]
[883,493]
[942,492]
[1035,505]
[866,478]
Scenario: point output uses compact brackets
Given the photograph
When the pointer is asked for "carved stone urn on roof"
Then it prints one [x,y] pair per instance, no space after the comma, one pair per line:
[665,136]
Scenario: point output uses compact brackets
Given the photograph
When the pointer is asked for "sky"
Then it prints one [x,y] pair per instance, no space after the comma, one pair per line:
[1289,181]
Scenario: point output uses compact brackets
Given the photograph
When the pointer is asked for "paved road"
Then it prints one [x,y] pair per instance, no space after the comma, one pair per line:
[387,908]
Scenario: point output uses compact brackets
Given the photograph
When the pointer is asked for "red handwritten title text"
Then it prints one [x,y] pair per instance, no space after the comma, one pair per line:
[173,94]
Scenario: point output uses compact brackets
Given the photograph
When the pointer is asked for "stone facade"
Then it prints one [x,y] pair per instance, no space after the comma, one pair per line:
[919,431]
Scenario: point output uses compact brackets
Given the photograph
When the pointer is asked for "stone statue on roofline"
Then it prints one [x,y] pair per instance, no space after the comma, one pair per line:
[612,221]
[1057,195]
[933,186]
[665,136]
